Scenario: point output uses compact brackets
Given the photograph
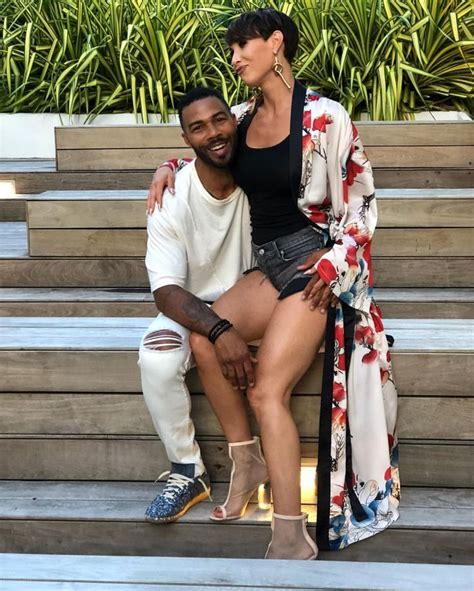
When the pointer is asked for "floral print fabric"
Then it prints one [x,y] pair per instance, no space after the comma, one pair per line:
[337,193]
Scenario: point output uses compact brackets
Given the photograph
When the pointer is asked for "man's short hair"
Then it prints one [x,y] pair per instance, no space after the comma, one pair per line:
[262,23]
[196,94]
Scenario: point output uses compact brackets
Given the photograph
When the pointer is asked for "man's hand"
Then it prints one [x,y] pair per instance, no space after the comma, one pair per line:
[317,292]
[162,179]
[235,359]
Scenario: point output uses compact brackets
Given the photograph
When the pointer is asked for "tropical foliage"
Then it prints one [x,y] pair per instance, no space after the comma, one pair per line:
[388,57]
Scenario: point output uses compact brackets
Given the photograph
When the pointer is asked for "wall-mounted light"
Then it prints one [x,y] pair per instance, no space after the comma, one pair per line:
[309,487]
[7,189]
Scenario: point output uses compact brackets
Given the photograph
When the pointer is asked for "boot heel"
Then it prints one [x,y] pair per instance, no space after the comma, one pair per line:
[265,496]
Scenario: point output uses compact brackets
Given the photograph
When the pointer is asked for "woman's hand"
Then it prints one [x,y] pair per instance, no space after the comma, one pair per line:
[317,292]
[162,179]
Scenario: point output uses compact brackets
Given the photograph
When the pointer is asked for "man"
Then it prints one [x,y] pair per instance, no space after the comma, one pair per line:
[198,246]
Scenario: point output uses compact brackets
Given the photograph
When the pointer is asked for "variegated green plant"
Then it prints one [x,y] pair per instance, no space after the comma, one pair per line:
[388,57]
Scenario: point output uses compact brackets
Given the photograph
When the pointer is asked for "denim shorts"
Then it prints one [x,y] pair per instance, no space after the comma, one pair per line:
[279,259]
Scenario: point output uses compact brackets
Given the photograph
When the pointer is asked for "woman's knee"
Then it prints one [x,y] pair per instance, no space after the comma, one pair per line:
[263,401]
[203,350]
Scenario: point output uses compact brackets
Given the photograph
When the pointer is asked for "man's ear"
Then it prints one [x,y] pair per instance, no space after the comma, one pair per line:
[185,138]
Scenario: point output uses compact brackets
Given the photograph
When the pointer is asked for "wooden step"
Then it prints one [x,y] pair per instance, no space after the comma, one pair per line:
[126,209]
[83,380]
[82,414]
[138,458]
[18,269]
[396,303]
[63,351]
[396,145]
[406,242]
[108,573]
[112,223]
[435,525]
[34,176]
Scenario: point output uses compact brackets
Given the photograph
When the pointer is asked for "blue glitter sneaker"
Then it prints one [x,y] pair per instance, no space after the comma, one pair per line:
[181,492]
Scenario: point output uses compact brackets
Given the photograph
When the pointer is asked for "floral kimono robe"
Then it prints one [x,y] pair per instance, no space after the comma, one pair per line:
[332,183]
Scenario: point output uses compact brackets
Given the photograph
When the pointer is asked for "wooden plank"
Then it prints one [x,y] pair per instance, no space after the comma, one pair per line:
[146,309]
[150,158]
[49,180]
[410,178]
[123,136]
[436,213]
[117,371]
[415,310]
[373,134]
[143,458]
[13,209]
[424,242]
[423,272]
[112,334]
[125,309]
[418,133]
[126,414]
[122,159]
[422,156]
[406,242]
[114,209]
[140,492]
[86,214]
[430,519]
[223,540]
[393,272]
[93,243]
[43,272]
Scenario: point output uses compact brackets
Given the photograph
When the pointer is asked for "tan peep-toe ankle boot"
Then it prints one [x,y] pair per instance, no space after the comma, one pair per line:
[290,539]
[249,471]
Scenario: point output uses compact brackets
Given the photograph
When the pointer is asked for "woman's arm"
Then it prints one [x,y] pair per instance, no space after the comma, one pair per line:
[162,179]
[346,268]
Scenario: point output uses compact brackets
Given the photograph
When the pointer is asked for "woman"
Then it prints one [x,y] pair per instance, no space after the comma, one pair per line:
[311,195]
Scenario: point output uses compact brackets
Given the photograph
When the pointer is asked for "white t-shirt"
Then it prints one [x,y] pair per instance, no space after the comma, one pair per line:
[197,242]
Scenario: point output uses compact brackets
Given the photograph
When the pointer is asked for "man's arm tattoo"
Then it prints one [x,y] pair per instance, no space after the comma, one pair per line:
[185,308]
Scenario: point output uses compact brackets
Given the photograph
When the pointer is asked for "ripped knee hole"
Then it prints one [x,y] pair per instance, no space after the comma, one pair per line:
[163,340]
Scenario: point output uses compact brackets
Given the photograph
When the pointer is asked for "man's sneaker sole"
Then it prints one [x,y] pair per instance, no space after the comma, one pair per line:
[202,497]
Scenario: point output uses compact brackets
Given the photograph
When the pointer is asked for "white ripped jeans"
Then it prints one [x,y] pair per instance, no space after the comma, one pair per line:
[164,358]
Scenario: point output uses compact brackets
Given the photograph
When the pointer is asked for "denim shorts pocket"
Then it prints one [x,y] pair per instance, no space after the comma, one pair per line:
[302,248]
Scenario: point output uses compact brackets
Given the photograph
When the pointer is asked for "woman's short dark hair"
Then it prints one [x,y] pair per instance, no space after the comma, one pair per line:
[262,23]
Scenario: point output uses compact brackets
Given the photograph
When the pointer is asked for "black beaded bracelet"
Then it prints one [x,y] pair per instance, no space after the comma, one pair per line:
[218,329]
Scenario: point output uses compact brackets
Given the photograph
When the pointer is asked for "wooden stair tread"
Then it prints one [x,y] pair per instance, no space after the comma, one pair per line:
[102,333]
[139,573]
[44,294]
[420,508]
[140,195]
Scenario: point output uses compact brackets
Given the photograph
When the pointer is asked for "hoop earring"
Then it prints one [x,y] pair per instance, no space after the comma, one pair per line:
[278,69]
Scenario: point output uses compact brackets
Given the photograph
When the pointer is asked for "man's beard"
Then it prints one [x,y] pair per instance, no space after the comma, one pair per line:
[204,155]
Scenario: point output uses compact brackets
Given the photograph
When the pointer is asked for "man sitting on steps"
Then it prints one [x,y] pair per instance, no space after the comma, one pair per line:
[198,246]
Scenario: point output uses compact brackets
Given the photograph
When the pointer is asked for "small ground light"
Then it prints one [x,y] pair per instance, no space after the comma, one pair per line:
[309,488]
[7,189]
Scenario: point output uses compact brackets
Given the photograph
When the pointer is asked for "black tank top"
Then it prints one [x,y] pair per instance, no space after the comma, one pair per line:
[264,175]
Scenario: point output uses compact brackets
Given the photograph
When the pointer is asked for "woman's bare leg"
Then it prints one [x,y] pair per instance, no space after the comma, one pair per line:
[291,340]
[248,305]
